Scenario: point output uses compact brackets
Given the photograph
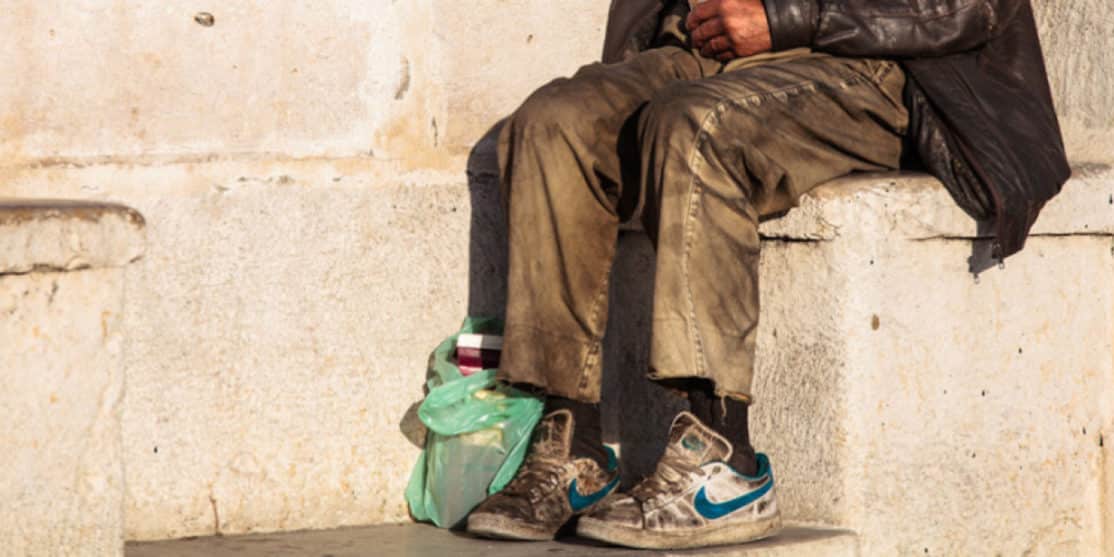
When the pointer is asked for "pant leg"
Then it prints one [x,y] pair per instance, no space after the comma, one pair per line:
[718,153]
[562,175]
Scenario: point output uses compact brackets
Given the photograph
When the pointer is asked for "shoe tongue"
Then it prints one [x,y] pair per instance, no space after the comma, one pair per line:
[553,435]
[691,437]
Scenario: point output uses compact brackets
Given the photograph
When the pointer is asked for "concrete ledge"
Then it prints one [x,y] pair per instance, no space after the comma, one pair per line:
[62,235]
[238,267]
[917,207]
[425,541]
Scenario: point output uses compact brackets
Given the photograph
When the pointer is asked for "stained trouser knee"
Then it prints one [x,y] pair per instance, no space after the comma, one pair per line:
[552,127]
[556,110]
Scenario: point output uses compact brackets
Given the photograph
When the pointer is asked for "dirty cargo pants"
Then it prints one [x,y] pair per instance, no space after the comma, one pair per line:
[700,151]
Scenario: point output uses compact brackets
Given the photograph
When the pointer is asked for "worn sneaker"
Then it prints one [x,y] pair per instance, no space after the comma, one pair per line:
[550,488]
[693,499]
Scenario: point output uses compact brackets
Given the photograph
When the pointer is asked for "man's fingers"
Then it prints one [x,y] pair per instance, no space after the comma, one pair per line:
[701,13]
[707,30]
[716,45]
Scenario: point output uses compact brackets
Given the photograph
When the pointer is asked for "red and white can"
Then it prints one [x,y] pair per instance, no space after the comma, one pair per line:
[476,352]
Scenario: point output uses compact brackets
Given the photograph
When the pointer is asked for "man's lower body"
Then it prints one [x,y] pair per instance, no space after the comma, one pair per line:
[700,152]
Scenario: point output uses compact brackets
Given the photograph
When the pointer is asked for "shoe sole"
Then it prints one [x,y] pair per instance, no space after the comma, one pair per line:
[503,528]
[714,534]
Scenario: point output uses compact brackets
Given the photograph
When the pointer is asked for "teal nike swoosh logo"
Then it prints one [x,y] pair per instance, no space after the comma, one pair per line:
[712,511]
[580,502]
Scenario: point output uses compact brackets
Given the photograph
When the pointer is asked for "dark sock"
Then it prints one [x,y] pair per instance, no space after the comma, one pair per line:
[587,435]
[726,416]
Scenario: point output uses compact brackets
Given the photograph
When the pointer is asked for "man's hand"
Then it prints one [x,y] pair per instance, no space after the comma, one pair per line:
[729,29]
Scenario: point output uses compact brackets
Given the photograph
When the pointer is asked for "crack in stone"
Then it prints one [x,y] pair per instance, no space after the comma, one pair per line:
[216,515]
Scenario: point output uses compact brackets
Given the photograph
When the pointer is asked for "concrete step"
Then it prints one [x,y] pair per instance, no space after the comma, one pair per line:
[418,540]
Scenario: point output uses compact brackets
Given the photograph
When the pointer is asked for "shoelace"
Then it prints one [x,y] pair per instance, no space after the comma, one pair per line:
[670,476]
[539,475]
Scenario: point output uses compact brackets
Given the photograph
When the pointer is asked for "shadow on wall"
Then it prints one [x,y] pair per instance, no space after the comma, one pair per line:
[487,245]
[487,254]
[626,391]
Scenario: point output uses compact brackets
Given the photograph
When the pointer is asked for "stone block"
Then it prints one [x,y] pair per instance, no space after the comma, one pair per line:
[410,83]
[271,368]
[137,78]
[61,351]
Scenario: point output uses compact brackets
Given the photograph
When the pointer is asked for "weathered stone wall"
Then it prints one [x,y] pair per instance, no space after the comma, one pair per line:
[302,169]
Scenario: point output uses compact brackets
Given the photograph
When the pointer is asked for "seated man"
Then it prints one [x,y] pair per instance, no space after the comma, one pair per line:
[702,121]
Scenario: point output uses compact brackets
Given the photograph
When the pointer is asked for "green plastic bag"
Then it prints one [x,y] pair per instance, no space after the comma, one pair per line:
[479,430]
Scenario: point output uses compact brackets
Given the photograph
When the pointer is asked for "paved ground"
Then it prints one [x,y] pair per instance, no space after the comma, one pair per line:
[413,540]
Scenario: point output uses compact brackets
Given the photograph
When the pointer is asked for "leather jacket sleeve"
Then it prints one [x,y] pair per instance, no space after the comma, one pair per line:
[888,28]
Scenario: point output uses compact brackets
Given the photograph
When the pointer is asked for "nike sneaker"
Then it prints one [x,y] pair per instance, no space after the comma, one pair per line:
[693,498]
[549,489]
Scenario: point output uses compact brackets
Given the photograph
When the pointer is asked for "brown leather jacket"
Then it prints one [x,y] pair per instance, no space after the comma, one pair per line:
[981,113]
